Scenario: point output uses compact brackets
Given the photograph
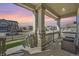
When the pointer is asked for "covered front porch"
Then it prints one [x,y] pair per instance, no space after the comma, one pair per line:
[44,42]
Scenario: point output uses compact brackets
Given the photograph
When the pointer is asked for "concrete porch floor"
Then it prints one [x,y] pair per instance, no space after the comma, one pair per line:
[55,51]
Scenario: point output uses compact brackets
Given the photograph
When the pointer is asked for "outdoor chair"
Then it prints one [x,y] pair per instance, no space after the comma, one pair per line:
[68,44]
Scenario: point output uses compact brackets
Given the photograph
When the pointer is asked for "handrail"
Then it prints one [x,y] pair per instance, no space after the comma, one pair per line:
[47,43]
[40,34]
[26,39]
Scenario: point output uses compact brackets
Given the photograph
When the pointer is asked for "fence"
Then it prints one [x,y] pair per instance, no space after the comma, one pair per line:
[19,36]
[50,37]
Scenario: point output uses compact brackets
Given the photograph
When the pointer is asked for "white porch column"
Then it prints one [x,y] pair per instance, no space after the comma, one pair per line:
[77,28]
[58,23]
[35,26]
[41,27]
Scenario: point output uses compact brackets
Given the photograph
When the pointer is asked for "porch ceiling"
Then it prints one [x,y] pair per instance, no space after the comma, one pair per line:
[57,9]
[64,9]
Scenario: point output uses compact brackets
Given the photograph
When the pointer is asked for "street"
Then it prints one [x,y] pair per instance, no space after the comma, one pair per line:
[21,35]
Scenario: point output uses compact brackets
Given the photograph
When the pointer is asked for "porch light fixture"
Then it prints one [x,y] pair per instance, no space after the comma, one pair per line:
[63,9]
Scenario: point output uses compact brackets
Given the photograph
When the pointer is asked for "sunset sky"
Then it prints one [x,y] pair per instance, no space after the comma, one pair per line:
[25,17]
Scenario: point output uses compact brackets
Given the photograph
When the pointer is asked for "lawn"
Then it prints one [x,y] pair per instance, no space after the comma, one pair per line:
[14,43]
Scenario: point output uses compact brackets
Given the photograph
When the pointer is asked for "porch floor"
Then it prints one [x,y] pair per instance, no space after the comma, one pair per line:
[55,51]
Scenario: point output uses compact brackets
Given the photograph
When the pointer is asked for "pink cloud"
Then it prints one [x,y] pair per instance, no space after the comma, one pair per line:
[21,19]
[17,17]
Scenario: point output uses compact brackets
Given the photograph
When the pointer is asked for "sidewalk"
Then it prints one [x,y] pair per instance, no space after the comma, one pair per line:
[14,50]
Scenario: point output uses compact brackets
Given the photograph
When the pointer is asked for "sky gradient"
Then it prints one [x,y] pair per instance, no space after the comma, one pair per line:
[25,17]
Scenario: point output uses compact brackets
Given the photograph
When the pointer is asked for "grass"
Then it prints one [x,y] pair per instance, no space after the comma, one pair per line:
[12,44]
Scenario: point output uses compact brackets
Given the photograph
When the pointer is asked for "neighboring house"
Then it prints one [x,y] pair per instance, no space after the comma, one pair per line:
[52,28]
[8,26]
[30,27]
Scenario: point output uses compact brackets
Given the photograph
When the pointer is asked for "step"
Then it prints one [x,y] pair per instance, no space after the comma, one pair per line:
[32,50]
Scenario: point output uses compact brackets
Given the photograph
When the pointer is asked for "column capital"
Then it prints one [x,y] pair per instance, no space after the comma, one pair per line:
[57,19]
[40,6]
[35,11]
[78,11]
